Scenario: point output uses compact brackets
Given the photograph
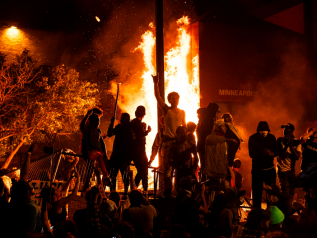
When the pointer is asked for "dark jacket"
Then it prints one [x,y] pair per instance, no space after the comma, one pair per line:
[122,145]
[205,125]
[232,146]
[140,134]
[257,146]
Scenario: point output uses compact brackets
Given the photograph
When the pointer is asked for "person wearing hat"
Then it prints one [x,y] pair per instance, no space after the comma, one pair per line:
[288,152]
[276,218]
[173,118]
[262,146]
[139,154]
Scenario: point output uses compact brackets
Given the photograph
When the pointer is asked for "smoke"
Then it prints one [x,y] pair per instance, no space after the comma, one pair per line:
[282,98]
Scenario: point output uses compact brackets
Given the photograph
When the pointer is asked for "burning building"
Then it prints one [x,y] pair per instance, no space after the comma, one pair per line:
[251,67]
[257,65]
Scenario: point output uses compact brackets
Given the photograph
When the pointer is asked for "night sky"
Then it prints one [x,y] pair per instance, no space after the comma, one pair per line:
[71,15]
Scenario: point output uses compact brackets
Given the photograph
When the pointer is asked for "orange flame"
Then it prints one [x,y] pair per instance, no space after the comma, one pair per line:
[181,75]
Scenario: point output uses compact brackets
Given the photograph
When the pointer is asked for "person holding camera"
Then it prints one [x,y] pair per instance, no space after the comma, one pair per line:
[288,152]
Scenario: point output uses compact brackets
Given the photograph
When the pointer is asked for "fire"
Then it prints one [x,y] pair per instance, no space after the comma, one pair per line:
[181,75]
[178,77]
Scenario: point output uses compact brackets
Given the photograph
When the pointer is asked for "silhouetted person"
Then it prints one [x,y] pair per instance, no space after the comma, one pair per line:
[288,151]
[207,117]
[173,118]
[232,133]
[122,148]
[184,155]
[157,150]
[157,144]
[191,139]
[93,146]
[236,165]
[262,146]
[139,157]
[201,137]
[191,128]
[24,216]
[309,144]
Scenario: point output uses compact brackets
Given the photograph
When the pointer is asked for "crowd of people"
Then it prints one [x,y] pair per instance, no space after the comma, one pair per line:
[201,177]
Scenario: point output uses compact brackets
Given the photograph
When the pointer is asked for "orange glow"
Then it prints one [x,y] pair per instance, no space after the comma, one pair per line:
[97,18]
[13,27]
[181,75]
[12,32]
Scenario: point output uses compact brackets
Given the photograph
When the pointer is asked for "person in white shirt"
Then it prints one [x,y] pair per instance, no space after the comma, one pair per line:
[173,118]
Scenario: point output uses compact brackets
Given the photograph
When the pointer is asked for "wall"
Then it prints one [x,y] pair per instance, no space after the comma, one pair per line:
[47,47]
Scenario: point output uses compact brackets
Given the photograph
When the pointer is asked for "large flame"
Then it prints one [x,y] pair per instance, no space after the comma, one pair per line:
[181,78]
[181,75]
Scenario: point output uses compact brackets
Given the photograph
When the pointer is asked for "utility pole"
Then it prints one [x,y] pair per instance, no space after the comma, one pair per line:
[159,50]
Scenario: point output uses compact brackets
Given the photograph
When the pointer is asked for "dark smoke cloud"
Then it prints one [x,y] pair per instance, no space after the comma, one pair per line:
[283,98]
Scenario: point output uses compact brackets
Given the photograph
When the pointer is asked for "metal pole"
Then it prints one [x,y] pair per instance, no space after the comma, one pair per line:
[159,63]
[160,45]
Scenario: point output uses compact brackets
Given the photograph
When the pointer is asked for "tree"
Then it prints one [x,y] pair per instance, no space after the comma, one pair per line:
[36,102]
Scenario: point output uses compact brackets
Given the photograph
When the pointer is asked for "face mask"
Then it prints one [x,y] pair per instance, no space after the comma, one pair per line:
[263,133]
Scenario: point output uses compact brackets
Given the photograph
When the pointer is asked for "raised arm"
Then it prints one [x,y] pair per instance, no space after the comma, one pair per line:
[64,188]
[304,137]
[44,216]
[157,94]
[63,201]
[26,165]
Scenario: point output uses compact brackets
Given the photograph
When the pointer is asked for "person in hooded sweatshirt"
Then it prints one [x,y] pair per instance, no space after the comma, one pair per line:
[262,147]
